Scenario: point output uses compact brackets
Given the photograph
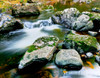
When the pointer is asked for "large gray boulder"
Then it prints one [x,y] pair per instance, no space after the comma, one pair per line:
[69,59]
[8,23]
[40,52]
[66,17]
[83,23]
[25,10]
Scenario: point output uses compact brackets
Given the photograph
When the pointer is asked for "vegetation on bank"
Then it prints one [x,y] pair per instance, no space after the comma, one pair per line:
[6,4]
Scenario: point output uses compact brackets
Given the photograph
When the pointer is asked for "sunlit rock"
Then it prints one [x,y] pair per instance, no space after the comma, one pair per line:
[89,55]
[68,59]
[95,17]
[40,52]
[83,23]
[66,17]
[8,23]
[25,10]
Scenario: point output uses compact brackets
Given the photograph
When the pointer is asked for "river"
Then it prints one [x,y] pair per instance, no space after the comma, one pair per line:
[14,45]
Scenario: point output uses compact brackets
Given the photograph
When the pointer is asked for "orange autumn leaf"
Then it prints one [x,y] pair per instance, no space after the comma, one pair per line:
[90,64]
[64,71]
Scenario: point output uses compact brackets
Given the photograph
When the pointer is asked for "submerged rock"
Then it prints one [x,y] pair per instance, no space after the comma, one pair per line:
[69,59]
[25,10]
[83,23]
[40,52]
[82,43]
[8,23]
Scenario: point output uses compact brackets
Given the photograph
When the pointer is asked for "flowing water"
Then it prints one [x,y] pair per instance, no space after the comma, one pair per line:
[14,45]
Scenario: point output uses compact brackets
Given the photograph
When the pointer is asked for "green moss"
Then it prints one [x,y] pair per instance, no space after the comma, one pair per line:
[45,41]
[93,15]
[58,13]
[32,48]
[89,40]
[86,43]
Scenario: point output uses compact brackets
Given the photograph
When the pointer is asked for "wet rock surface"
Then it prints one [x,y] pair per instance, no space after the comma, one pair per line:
[40,52]
[25,10]
[68,59]
[8,23]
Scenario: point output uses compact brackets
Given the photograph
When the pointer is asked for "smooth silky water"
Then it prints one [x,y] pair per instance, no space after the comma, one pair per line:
[14,45]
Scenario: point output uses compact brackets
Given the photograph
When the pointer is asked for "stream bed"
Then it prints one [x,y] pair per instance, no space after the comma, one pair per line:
[15,44]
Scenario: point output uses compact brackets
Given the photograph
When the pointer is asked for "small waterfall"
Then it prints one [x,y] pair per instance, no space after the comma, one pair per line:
[37,24]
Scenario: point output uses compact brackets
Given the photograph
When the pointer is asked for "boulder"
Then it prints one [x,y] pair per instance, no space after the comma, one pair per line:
[95,9]
[8,23]
[68,59]
[25,10]
[95,17]
[92,33]
[98,59]
[82,43]
[83,23]
[89,55]
[66,17]
[39,53]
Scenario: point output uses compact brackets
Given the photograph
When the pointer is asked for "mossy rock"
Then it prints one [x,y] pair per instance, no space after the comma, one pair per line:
[95,17]
[82,43]
[41,51]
